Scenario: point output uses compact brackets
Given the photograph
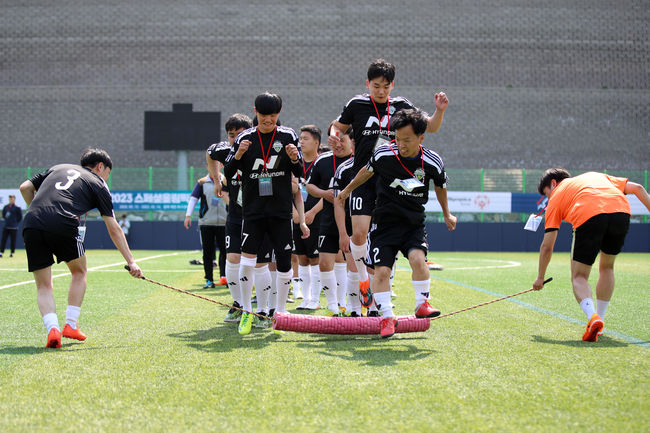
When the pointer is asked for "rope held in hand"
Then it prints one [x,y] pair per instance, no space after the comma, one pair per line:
[489,302]
[261,316]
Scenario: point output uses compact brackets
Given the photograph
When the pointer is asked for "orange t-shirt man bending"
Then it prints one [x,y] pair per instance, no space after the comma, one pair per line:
[596,206]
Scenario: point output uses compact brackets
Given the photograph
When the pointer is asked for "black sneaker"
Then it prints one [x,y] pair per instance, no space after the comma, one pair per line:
[373,314]
[354,314]
[254,300]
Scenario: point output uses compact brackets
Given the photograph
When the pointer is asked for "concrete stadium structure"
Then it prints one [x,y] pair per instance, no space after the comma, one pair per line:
[532,84]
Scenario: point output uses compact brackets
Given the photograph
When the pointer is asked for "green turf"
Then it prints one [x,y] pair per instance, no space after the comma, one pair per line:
[157,360]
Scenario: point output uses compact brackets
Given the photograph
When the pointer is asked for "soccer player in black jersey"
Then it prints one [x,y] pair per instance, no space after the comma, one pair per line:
[370,116]
[57,198]
[216,154]
[404,170]
[307,249]
[267,156]
[332,262]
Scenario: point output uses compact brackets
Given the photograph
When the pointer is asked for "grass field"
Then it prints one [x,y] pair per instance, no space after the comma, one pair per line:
[158,360]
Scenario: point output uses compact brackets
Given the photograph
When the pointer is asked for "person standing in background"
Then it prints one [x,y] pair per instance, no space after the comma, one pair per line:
[12,215]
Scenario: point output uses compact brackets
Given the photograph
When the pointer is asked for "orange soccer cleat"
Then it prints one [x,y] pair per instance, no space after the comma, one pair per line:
[594,326]
[54,339]
[426,310]
[223,281]
[387,327]
[365,293]
[75,334]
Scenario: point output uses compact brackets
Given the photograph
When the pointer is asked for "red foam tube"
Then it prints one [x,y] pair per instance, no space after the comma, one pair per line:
[344,325]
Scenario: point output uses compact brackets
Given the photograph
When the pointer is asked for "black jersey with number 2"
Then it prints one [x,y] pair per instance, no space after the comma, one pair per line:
[63,194]
[399,198]
[266,172]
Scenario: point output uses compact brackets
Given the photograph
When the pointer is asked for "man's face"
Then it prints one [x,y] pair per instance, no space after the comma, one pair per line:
[308,143]
[549,189]
[232,134]
[408,142]
[344,147]
[267,122]
[379,89]
[12,199]
[102,171]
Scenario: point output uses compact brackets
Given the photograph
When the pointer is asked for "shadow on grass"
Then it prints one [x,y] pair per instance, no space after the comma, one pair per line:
[33,350]
[603,341]
[374,351]
[224,338]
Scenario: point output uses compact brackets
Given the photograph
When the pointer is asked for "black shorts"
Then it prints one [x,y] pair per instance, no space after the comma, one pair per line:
[279,232]
[41,245]
[306,247]
[233,243]
[362,199]
[603,232]
[328,243]
[386,240]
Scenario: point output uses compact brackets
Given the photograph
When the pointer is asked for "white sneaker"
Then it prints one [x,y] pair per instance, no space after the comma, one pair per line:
[313,305]
[304,305]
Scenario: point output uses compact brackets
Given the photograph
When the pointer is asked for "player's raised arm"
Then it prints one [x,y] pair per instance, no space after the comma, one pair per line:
[435,120]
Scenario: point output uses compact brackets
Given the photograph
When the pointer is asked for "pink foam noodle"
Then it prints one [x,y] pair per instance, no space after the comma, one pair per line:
[344,325]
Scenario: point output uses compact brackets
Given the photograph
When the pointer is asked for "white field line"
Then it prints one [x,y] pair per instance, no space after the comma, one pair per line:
[101,267]
[508,264]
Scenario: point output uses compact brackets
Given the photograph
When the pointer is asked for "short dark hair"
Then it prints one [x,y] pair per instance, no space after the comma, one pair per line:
[92,156]
[558,174]
[410,116]
[314,130]
[238,121]
[381,68]
[268,103]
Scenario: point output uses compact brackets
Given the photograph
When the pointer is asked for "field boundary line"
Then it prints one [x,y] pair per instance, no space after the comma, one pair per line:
[102,267]
[619,335]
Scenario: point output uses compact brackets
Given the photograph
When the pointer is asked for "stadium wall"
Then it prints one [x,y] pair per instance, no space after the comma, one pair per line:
[532,83]
[467,237]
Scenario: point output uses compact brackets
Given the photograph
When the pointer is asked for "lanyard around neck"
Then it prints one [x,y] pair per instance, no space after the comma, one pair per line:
[403,166]
[377,111]
[265,156]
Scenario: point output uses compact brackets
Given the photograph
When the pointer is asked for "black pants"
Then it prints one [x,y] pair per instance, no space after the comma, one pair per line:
[213,237]
[12,235]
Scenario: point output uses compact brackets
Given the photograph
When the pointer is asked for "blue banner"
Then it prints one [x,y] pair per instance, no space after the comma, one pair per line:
[150,200]
[528,202]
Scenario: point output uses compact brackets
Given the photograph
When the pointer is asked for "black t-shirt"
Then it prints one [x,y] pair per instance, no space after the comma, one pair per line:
[278,168]
[63,194]
[322,175]
[342,178]
[219,152]
[360,113]
[395,203]
[309,200]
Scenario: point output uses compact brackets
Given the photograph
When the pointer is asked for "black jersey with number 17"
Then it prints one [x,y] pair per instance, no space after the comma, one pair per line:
[401,199]
[361,114]
[262,161]
[63,194]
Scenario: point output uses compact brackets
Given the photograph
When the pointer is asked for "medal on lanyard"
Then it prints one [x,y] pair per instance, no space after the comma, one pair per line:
[264,180]
[382,138]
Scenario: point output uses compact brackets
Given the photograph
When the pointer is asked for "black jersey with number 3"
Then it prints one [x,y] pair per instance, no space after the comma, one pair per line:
[63,194]
[361,114]
[266,160]
[399,201]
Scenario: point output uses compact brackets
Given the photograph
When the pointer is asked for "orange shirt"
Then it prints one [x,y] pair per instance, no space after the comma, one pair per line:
[579,198]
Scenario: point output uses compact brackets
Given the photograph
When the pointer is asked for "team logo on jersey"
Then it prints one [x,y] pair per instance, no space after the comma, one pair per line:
[391,110]
[277,146]
[419,174]
[372,120]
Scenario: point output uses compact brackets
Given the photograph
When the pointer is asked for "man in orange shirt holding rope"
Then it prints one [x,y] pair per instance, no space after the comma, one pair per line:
[596,206]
